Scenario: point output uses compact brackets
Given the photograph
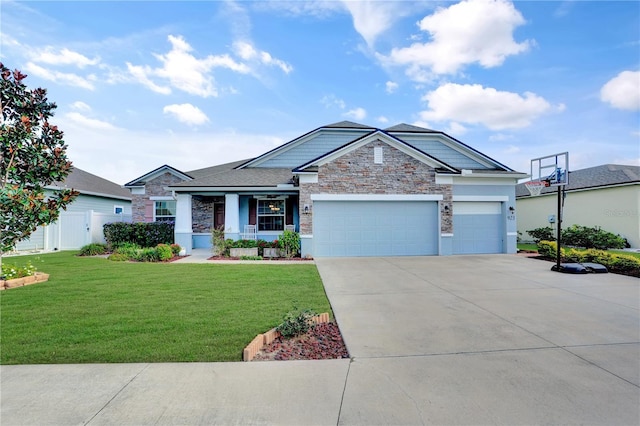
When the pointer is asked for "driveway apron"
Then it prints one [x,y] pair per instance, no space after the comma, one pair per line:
[496,339]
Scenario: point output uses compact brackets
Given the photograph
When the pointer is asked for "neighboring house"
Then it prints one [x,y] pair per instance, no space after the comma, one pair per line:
[100,201]
[607,196]
[350,190]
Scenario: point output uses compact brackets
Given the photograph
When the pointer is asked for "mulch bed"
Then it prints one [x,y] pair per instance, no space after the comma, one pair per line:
[323,341]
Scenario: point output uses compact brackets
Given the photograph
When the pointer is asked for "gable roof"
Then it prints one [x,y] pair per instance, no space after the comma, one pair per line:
[90,184]
[370,137]
[403,127]
[199,173]
[592,178]
[165,168]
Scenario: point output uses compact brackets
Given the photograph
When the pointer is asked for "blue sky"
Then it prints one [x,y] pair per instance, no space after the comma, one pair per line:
[195,84]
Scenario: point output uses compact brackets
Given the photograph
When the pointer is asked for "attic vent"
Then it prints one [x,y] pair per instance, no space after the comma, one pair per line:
[377,155]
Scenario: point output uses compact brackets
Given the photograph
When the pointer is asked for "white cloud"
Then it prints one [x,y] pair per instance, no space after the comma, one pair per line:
[475,104]
[472,31]
[184,71]
[623,91]
[68,79]
[89,123]
[456,129]
[81,106]
[186,113]
[62,57]
[248,52]
[382,119]
[330,101]
[372,18]
[391,86]
[356,114]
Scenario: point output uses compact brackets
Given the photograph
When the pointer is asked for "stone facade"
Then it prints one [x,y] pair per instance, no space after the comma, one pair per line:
[202,214]
[155,187]
[356,173]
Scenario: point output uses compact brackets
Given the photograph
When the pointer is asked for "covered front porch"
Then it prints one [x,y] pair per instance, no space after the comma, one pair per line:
[199,213]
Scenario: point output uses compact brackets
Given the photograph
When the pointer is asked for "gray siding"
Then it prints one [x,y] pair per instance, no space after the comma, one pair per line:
[98,204]
[442,152]
[326,141]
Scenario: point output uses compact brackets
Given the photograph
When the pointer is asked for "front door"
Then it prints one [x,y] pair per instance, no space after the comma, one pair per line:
[218,215]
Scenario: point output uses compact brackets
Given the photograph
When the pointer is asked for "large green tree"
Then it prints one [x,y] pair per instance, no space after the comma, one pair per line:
[32,156]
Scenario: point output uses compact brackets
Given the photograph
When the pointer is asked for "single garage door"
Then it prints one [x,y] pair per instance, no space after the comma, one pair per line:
[375,228]
[477,227]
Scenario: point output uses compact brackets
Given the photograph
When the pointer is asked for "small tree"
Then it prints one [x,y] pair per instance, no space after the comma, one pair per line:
[32,156]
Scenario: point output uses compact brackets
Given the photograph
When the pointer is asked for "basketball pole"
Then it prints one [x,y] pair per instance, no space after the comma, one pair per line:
[559,230]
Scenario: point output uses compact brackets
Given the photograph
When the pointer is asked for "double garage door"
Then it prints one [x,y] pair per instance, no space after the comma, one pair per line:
[375,228]
[402,228]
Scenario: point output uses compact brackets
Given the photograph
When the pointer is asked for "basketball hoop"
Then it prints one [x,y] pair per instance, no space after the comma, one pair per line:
[535,187]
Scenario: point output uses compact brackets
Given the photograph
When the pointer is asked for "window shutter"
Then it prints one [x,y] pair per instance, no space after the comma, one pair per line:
[288,219]
[253,211]
[148,210]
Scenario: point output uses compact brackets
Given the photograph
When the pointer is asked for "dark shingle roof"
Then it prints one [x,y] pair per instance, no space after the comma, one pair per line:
[88,183]
[403,127]
[231,177]
[593,177]
[347,125]
[196,174]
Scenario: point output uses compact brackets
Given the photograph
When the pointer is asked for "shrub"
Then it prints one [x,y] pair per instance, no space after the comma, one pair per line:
[10,272]
[164,252]
[614,262]
[220,245]
[118,257]
[175,249]
[145,234]
[591,237]
[296,322]
[244,244]
[250,257]
[149,254]
[93,249]
[542,234]
[128,249]
[290,243]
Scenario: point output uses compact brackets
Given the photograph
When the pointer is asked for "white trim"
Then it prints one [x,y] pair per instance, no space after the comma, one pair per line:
[228,188]
[446,235]
[376,197]
[500,198]
[512,234]
[309,178]
[444,179]
[306,236]
[137,190]
[485,180]
[161,198]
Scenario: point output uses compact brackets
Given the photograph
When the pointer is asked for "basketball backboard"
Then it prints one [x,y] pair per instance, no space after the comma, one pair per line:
[553,170]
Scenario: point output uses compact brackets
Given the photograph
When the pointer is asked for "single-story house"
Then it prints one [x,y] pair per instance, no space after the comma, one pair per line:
[607,196]
[100,201]
[349,190]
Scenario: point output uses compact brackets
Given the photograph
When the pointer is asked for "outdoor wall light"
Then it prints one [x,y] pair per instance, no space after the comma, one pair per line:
[512,209]
[446,208]
[306,209]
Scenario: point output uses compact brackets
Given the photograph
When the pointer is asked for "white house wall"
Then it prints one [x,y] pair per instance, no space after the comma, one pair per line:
[613,209]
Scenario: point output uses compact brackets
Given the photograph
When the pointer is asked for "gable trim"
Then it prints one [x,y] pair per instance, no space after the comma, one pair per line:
[165,168]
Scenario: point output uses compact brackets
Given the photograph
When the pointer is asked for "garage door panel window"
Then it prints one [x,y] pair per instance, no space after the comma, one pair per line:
[271,214]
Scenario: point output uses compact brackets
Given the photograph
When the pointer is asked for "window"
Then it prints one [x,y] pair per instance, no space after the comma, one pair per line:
[271,215]
[164,211]
[118,209]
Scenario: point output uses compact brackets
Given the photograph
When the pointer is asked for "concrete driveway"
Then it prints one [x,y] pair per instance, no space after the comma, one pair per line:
[494,339]
[434,340]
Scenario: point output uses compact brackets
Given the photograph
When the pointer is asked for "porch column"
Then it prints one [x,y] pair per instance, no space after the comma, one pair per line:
[183,230]
[231,216]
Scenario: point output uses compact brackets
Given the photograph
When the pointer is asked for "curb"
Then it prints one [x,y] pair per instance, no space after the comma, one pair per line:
[261,340]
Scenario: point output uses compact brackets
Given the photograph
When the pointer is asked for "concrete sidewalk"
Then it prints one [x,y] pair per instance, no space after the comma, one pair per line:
[434,340]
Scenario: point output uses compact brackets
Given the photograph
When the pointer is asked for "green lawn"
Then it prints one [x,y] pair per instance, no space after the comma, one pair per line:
[93,310]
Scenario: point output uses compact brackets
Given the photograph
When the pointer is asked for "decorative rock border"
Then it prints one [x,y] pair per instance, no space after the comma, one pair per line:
[264,339]
[38,277]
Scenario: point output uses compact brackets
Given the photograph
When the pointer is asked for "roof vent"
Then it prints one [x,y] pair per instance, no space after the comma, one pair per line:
[377,155]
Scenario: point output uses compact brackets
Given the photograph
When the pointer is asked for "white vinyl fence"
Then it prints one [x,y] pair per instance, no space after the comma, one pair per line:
[72,231]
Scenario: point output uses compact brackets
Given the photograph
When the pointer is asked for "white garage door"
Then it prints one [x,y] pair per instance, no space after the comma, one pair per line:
[375,228]
[477,227]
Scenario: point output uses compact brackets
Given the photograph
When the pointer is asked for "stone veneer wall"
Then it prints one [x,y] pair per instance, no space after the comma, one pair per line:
[154,187]
[201,215]
[356,173]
